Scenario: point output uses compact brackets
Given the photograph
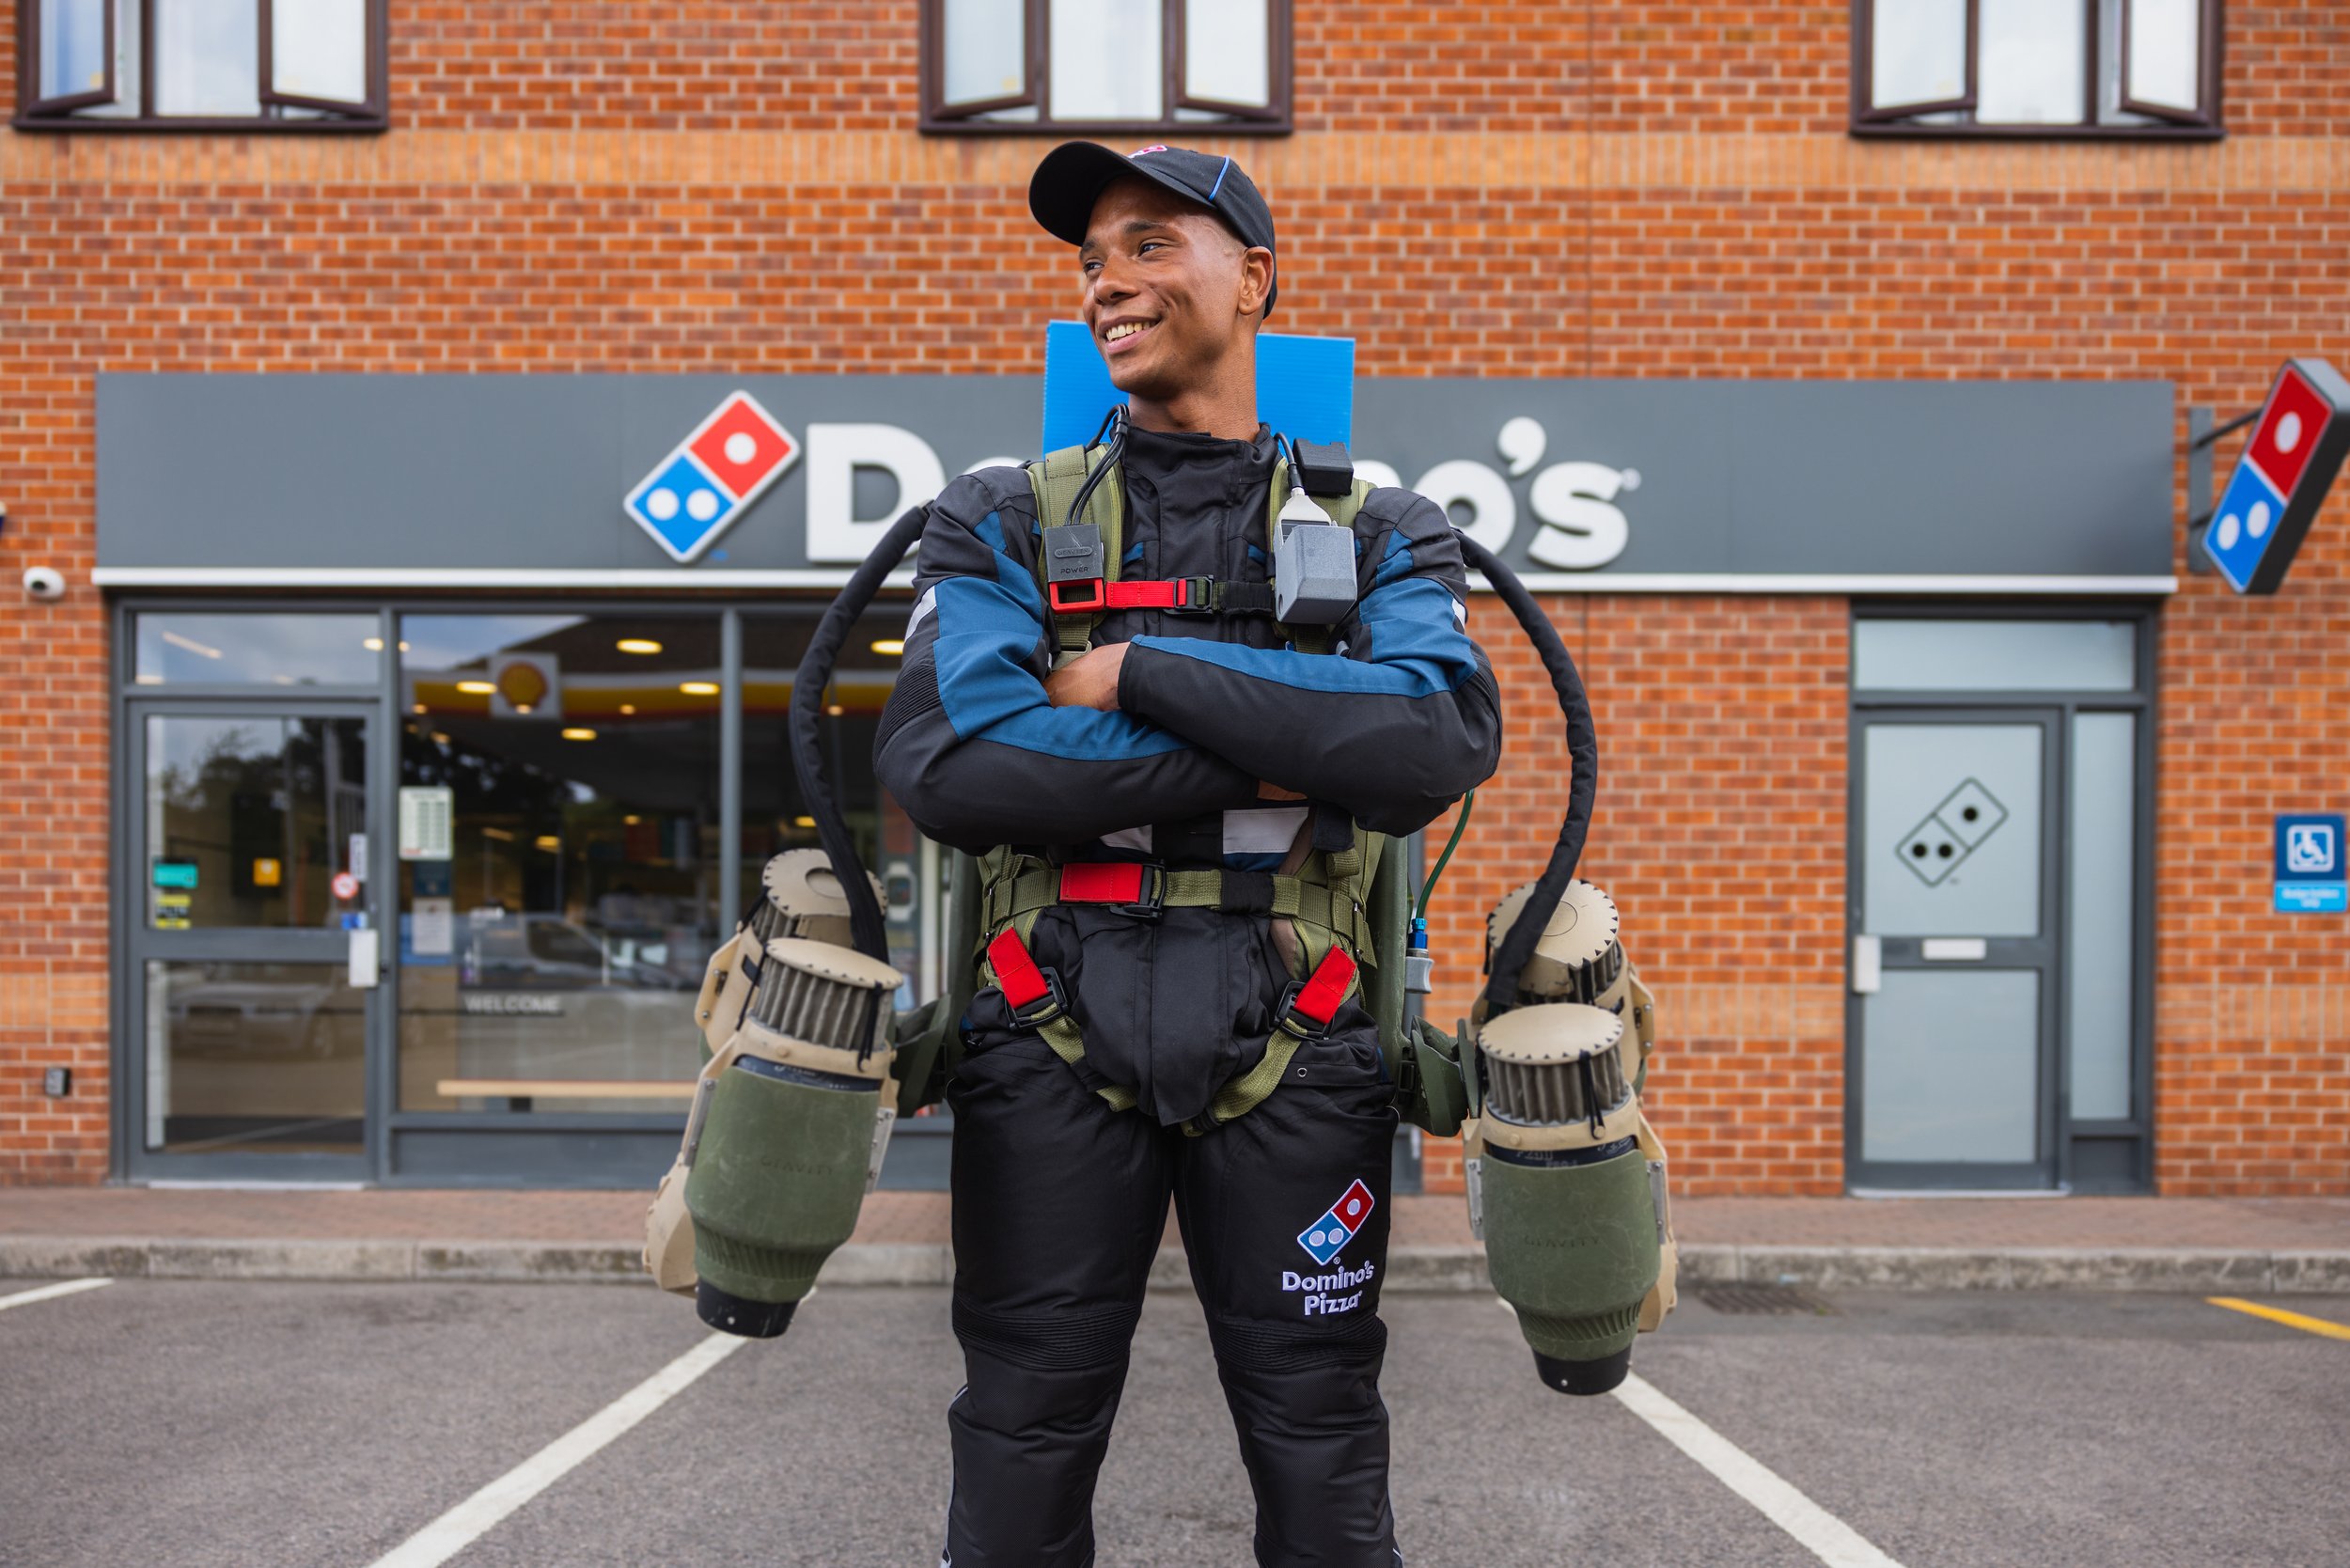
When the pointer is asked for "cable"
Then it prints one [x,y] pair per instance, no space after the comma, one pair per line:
[1501,982]
[1428,890]
[807,734]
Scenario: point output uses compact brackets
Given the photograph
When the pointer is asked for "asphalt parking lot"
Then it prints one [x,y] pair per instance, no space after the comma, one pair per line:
[198,1424]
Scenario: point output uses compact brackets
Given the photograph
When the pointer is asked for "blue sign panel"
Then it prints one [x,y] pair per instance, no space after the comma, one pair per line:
[2243,525]
[2310,875]
[1305,387]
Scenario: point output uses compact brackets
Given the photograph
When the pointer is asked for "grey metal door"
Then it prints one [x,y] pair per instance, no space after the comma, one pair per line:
[250,925]
[1952,1019]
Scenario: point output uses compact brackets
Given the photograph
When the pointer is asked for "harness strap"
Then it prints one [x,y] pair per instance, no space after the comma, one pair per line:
[1181,595]
[1143,888]
[1304,1013]
[1055,481]
[1037,1002]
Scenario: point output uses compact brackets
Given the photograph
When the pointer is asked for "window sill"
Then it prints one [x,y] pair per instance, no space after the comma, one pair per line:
[69,125]
[1898,130]
[1094,129]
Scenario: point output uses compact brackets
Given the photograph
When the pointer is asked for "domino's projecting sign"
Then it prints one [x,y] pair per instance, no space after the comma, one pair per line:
[2282,478]
[725,464]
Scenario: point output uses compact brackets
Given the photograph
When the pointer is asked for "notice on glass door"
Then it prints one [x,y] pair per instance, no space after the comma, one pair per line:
[431,928]
[426,815]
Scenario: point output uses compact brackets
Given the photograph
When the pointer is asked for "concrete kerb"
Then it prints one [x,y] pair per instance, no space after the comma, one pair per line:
[1410,1269]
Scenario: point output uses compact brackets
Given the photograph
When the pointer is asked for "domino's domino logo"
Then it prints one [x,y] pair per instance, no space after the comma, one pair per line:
[728,461]
[1322,1239]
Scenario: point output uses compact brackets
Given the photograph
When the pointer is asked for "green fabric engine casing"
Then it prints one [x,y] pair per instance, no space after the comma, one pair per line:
[791,1115]
[1566,1176]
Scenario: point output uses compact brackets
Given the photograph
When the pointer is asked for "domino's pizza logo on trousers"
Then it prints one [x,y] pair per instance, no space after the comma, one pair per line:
[1322,1241]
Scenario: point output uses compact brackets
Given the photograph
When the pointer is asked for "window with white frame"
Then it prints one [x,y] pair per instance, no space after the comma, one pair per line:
[244,65]
[1093,66]
[2036,68]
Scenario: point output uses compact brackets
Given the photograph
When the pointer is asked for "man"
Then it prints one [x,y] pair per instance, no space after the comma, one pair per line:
[1190,743]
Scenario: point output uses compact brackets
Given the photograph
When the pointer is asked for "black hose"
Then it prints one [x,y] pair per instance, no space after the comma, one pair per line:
[1501,980]
[806,736]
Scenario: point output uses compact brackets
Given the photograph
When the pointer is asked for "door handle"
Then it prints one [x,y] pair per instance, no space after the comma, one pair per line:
[366,959]
[1868,965]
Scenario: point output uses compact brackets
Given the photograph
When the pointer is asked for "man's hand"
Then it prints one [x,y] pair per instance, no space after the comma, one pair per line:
[1089,681]
[1275,792]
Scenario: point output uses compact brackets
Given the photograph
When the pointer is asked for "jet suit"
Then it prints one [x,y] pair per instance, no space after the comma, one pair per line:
[1060,1199]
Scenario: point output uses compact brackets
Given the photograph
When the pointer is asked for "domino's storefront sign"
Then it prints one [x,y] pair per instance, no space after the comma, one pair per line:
[720,468]
[2281,479]
[2310,879]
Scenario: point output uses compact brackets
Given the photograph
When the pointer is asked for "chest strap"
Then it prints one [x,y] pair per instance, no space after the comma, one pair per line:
[1141,889]
[1175,595]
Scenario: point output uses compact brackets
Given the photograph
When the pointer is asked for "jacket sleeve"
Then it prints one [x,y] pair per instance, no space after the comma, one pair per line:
[968,742]
[1394,730]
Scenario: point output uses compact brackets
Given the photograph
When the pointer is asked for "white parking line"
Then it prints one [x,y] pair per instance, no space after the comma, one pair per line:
[470,1520]
[51,1293]
[1827,1537]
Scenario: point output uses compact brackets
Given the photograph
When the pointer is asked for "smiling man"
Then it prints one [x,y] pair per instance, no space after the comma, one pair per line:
[1176,801]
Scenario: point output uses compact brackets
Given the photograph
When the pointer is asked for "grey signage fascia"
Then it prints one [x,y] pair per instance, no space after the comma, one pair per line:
[1831,487]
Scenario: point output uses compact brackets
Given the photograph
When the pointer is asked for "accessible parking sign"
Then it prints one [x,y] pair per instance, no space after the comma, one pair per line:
[2309,874]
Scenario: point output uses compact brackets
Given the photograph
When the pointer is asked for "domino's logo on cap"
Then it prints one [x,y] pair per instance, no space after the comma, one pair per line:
[1339,1225]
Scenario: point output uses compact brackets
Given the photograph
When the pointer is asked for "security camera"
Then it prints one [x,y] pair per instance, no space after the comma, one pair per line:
[44,582]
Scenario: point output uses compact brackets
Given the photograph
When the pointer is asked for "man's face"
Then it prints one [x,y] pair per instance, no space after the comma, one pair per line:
[1168,289]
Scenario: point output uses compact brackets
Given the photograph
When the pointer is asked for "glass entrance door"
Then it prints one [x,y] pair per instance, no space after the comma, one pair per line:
[252,939]
[1955,949]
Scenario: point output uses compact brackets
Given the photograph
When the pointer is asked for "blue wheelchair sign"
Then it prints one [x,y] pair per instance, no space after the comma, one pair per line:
[2310,878]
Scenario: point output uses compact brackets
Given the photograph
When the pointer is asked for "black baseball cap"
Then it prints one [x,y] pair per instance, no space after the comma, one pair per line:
[1072,175]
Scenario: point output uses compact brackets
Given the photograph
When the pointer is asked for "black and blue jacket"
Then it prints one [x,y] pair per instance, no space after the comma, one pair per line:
[1394,724]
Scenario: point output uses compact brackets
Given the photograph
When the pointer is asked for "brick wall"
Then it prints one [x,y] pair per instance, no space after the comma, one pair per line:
[1634,190]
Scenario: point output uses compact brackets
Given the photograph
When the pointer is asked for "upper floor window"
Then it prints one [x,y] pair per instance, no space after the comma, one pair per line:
[1096,66]
[2036,68]
[201,65]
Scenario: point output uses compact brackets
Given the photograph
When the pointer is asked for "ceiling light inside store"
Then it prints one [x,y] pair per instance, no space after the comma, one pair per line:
[632,820]
[421,707]
[804,822]
[637,645]
[579,734]
[890,644]
[548,842]
[627,709]
[475,688]
[835,708]
[499,833]
[698,689]
[373,645]
[440,737]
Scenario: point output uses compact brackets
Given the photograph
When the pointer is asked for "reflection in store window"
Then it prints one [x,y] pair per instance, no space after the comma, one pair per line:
[550,948]
[248,819]
[180,648]
[254,1056]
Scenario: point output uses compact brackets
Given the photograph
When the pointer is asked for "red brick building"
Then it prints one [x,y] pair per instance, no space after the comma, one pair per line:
[1541,194]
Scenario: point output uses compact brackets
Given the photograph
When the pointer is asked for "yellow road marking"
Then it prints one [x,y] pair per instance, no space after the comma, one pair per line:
[2278,1315]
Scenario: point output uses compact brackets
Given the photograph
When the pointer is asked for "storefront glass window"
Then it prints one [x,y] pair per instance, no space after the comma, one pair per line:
[553,934]
[184,648]
[243,1057]
[248,819]
[1994,655]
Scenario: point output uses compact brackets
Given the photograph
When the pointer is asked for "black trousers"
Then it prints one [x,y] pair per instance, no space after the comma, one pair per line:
[1060,1203]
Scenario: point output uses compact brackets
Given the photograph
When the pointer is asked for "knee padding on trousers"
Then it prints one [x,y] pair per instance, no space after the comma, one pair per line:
[1247,1347]
[1063,1340]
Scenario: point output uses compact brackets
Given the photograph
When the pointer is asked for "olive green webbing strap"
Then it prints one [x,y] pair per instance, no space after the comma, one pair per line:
[1059,1031]
[1337,908]
[1246,1092]
[1057,481]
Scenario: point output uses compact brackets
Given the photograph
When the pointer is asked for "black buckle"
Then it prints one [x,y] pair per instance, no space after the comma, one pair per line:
[1152,904]
[1199,597]
[1296,1022]
[1045,1008]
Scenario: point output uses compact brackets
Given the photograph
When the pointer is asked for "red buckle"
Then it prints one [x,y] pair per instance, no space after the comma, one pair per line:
[1023,983]
[1095,587]
[1316,999]
[1134,887]
[1181,595]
